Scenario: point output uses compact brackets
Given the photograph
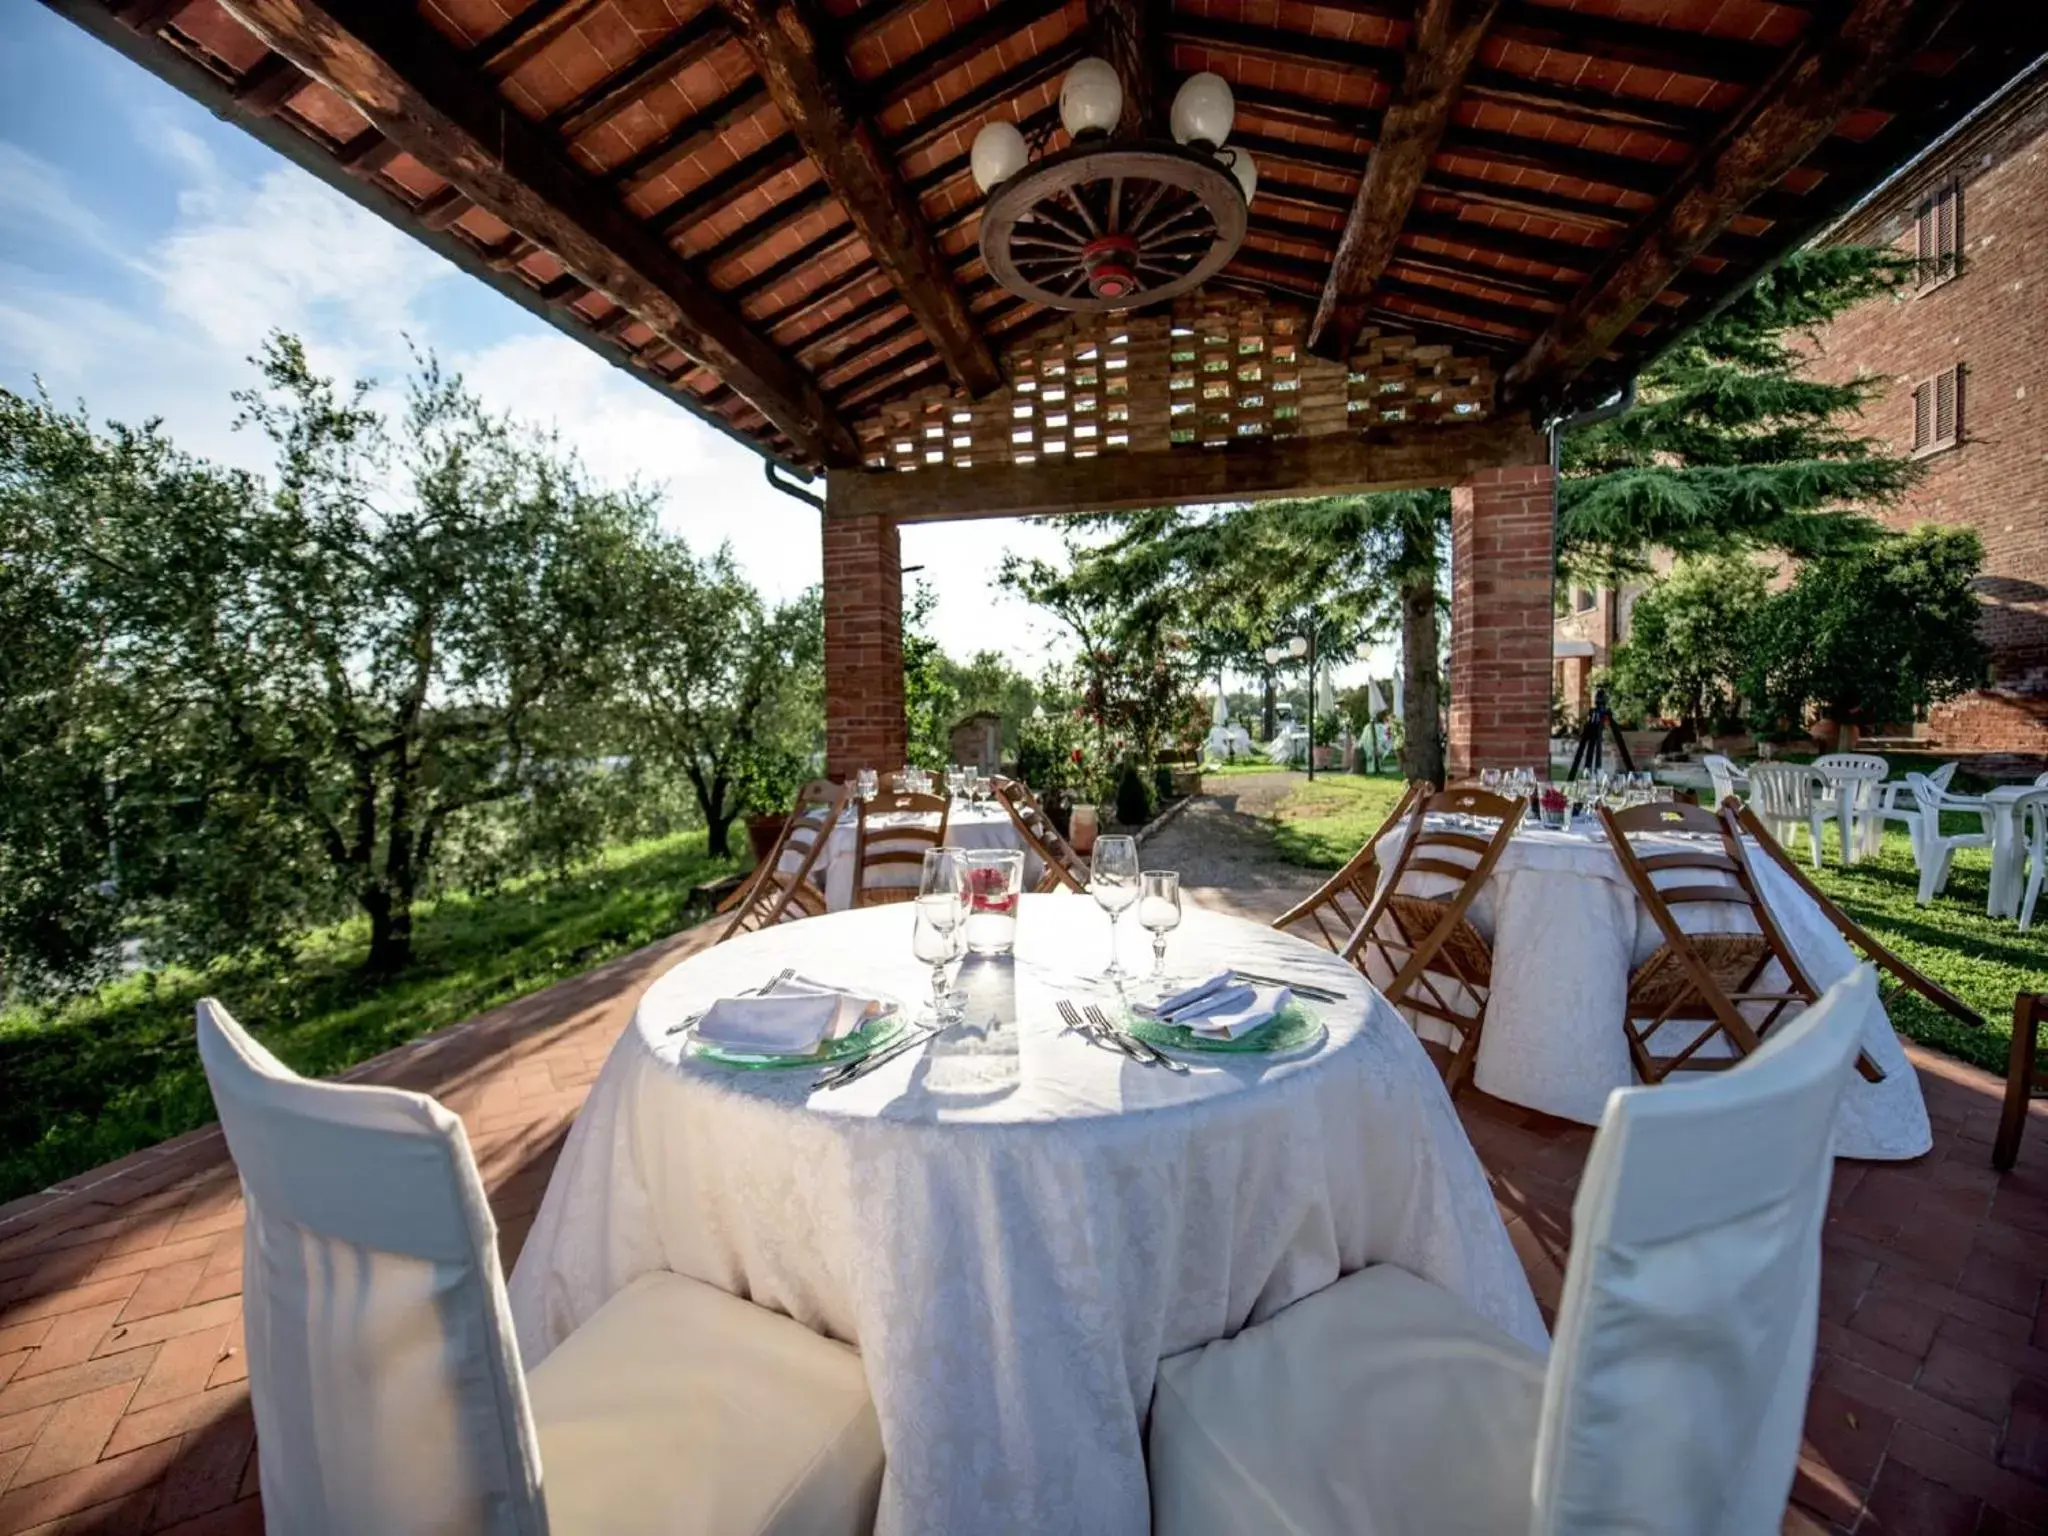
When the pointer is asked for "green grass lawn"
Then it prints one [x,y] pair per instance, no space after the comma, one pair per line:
[108,1073]
[1982,959]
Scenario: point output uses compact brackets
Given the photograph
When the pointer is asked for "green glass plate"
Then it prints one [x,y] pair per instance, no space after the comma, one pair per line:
[1289,1029]
[871,1036]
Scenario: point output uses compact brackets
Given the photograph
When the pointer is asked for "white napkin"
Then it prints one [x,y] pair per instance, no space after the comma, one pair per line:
[1229,1012]
[1194,994]
[791,1019]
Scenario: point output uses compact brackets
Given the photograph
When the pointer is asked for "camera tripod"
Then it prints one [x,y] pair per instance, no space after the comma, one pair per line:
[1587,757]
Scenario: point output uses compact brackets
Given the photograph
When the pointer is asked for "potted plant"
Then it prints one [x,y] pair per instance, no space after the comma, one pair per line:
[1324,730]
[767,778]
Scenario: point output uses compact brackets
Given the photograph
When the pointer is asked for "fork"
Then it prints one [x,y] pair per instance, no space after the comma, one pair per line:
[1153,1054]
[772,983]
[1103,1035]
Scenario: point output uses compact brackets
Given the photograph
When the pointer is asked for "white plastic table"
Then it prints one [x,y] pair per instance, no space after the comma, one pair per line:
[1014,1225]
[2006,866]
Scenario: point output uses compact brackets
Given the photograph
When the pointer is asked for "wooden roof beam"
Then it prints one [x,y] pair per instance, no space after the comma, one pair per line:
[422,94]
[805,72]
[1441,47]
[522,39]
[1389,458]
[1825,77]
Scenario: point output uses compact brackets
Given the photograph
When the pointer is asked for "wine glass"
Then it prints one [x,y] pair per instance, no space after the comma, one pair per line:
[941,911]
[867,784]
[979,789]
[1113,882]
[1489,780]
[1159,912]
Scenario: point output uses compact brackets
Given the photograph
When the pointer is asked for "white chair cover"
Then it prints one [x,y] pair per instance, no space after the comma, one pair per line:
[1677,1385]
[386,1384]
[1685,1334]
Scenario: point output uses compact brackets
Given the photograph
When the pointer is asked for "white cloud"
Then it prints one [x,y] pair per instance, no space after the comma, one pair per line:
[167,331]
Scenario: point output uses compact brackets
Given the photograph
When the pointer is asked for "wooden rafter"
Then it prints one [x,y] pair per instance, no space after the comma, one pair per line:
[417,90]
[694,40]
[1124,33]
[1819,82]
[1394,458]
[1441,47]
[805,73]
[522,39]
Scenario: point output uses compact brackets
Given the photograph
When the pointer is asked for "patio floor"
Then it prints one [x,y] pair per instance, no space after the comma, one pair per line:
[123,1405]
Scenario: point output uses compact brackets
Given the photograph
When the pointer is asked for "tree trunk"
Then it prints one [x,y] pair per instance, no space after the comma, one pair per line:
[390,929]
[718,833]
[1422,747]
[1272,726]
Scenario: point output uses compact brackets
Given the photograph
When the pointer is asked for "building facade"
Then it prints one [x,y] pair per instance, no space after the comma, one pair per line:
[1965,354]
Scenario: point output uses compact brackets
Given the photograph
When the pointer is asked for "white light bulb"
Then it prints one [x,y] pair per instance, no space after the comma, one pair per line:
[999,153]
[1241,165]
[1091,98]
[1203,111]
[1298,645]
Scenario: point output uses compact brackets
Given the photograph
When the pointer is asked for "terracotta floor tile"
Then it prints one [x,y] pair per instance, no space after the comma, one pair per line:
[180,1416]
[20,1336]
[89,1376]
[1975,1476]
[54,1303]
[38,1503]
[20,1429]
[163,1290]
[2025,1447]
[1901,1324]
[1969,1380]
[185,1365]
[1846,1433]
[75,1433]
[241,1519]
[1904,1503]
[208,1469]
[1971,1432]
[152,1330]
[71,1340]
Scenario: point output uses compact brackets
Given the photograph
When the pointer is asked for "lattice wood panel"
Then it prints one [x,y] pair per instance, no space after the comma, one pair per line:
[1219,369]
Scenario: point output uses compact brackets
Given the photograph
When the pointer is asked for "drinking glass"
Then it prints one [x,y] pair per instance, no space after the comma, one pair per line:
[1113,882]
[995,883]
[1489,780]
[941,914]
[867,784]
[1159,912]
[979,789]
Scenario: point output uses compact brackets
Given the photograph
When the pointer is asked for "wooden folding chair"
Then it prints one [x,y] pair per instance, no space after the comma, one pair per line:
[1333,913]
[781,888]
[895,848]
[1442,968]
[1700,981]
[2023,1077]
[1063,868]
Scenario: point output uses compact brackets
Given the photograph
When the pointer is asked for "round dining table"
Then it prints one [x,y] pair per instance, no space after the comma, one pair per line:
[1999,805]
[967,826]
[1567,931]
[1012,1223]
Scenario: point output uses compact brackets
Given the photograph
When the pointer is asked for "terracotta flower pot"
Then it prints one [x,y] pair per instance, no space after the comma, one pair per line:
[762,832]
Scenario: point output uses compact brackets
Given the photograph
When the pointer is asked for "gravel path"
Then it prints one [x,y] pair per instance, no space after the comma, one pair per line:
[1222,844]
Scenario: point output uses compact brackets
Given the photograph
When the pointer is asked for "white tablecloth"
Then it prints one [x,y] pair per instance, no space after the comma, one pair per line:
[1567,930]
[1014,1225]
[986,826]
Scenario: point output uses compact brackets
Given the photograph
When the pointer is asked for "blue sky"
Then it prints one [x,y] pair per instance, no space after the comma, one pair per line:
[146,248]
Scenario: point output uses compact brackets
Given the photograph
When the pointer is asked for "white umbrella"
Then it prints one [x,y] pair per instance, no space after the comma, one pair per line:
[1373,702]
[1326,695]
[1221,714]
[1399,712]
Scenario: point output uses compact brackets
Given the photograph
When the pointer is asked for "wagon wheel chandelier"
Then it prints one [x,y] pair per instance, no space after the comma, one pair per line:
[1108,225]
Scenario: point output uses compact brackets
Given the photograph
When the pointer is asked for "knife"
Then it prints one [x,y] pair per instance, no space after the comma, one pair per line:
[839,1077]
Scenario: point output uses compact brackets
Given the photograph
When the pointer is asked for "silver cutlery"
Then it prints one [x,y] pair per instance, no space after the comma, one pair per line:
[1112,1039]
[1158,1057]
[853,1071]
[772,983]
[1315,993]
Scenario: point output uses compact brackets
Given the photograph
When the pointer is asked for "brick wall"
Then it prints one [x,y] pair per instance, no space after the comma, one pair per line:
[1501,524]
[864,720]
[1993,319]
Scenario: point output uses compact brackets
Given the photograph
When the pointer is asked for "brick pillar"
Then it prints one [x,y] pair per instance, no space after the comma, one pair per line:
[864,723]
[1501,529]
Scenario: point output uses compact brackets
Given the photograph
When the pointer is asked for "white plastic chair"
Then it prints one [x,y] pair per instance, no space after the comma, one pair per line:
[1892,807]
[2030,821]
[1728,778]
[1788,796]
[1933,849]
[1859,779]
[386,1379]
[1676,1387]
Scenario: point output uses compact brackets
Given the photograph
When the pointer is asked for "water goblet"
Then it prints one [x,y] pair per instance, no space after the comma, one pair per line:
[941,912]
[1159,912]
[1113,882]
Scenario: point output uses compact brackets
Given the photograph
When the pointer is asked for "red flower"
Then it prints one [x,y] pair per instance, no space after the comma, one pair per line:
[1077,754]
